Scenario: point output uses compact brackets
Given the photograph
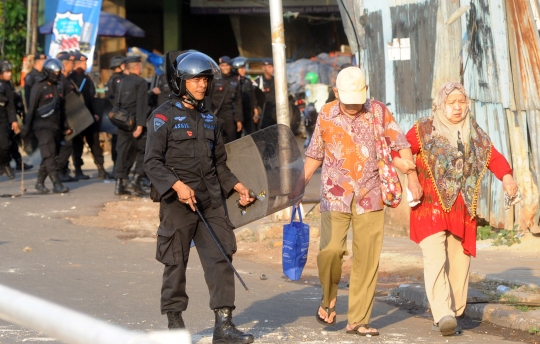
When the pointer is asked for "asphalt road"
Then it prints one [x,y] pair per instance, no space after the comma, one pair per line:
[94,271]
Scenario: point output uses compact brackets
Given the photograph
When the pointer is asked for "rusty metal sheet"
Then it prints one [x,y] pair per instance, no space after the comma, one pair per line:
[524,53]
[533,126]
[375,55]
[484,200]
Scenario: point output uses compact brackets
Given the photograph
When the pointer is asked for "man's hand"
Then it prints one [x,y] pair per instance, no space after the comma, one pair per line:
[256,115]
[96,117]
[405,166]
[156,90]
[68,131]
[15,128]
[185,194]
[509,185]
[245,198]
[137,132]
[238,127]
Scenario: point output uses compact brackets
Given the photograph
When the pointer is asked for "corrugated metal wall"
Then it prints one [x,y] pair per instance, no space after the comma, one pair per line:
[493,49]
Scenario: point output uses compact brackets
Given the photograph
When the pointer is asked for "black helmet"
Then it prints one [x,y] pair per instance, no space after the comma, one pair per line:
[189,65]
[239,62]
[5,66]
[116,61]
[52,69]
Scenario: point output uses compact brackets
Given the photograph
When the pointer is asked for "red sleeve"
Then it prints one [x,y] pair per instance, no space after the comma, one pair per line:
[413,141]
[498,164]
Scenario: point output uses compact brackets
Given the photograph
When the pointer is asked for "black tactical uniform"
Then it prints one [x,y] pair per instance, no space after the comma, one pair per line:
[269,107]
[32,78]
[7,117]
[134,99]
[187,145]
[47,119]
[226,104]
[85,87]
[14,149]
[164,88]
[248,103]
[110,93]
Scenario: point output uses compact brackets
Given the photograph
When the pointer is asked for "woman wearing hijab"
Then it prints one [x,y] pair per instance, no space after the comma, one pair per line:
[452,155]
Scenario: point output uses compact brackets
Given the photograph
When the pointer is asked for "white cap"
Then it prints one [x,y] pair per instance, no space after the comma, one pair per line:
[351,85]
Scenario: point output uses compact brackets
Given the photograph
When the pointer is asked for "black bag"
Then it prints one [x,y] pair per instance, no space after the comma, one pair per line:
[120,117]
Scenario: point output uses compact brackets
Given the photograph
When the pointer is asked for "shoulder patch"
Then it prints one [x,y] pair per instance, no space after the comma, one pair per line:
[161,116]
[158,123]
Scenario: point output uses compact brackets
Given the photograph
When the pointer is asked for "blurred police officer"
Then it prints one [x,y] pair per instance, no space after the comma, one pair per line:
[34,76]
[66,146]
[226,101]
[85,87]
[118,65]
[47,119]
[249,103]
[265,83]
[131,145]
[186,162]
[8,119]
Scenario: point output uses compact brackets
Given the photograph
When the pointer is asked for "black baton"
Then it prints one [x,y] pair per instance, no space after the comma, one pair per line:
[218,244]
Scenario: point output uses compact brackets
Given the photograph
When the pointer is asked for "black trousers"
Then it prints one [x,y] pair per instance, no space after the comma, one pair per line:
[91,134]
[14,148]
[66,149]
[129,151]
[178,226]
[49,147]
[5,143]
[228,129]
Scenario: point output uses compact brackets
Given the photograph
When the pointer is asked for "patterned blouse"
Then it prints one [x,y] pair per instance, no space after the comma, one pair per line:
[347,148]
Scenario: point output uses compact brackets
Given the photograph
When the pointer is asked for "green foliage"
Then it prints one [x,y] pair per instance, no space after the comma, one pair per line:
[500,237]
[534,329]
[13,34]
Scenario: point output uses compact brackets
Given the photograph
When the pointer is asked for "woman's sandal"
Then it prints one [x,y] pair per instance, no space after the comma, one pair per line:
[329,311]
[366,326]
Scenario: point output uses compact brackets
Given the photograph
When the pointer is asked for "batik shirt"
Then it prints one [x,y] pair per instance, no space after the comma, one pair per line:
[347,148]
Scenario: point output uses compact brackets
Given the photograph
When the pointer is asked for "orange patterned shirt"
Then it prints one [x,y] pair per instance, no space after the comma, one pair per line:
[347,148]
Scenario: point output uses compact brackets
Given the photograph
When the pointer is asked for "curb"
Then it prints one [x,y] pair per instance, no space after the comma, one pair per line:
[502,315]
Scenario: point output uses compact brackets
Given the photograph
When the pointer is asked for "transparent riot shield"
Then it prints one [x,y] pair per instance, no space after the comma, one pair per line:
[77,115]
[269,163]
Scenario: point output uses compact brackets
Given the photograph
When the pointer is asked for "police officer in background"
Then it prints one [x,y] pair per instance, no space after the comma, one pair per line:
[118,65]
[34,76]
[225,101]
[47,119]
[131,145]
[265,83]
[85,87]
[66,146]
[249,102]
[186,162]
[8,119]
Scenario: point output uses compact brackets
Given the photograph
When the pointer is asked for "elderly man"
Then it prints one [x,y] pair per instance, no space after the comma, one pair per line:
[346,143]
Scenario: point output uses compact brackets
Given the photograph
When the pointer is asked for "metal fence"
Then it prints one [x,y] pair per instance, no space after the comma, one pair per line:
[73,327]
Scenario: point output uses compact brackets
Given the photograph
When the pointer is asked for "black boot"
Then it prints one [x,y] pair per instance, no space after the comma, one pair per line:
[8,171]
[79,175]
[175,320]
[40,183]
[120,188]
[225,331]
[102,174]
[65,177]
[136,186]
[58,186]
[19,164]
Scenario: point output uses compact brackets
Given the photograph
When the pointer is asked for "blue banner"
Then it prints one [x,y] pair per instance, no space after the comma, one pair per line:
[75,27]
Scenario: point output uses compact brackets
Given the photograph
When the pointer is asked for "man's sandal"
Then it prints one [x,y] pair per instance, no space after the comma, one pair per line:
[366,326]
[329,311]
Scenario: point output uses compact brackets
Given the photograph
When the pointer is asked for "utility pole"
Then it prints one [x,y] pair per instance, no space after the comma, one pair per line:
[278,52]
[28,26]
[34,8]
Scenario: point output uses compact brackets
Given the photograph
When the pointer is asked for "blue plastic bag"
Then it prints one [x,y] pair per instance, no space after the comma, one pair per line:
[295,246]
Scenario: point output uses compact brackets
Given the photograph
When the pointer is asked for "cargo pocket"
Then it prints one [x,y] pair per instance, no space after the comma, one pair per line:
[165,246]
[185,143]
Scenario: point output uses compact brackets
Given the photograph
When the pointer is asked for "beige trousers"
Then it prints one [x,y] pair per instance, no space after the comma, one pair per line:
[446,274]
[367,243]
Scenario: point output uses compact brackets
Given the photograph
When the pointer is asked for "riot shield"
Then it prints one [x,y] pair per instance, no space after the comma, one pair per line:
[104,106]
[268,162]
[78,116]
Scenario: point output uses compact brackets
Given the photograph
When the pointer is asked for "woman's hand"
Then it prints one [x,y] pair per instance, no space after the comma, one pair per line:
[405,166]
[509,185]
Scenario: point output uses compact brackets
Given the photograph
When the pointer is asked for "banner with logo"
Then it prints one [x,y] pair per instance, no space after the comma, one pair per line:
[255,7]
[75,27]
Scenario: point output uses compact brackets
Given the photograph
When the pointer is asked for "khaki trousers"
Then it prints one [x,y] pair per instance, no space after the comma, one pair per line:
[446,274]
[367,243]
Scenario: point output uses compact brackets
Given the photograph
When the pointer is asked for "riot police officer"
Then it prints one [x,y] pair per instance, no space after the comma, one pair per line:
[249,102]
[133,97]
[186,162]
[265,83]
[118,65]
[8,119]
[34,76]
[226,101]
[47,119]
[85,87]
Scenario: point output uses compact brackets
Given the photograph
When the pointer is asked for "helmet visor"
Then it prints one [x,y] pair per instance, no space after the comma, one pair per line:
[195,65]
